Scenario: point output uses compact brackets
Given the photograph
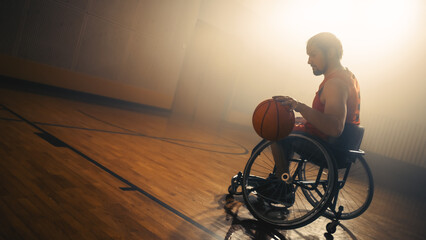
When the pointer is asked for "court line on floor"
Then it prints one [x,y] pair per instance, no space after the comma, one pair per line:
[120,178]
[169,140]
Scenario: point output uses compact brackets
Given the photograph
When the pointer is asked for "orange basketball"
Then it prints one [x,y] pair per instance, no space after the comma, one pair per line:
[272,120]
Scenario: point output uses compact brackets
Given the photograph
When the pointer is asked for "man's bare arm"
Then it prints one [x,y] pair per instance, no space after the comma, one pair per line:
[332,121]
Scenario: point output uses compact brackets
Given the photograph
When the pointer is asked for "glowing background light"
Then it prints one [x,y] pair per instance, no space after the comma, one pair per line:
[378,19]
[381,41]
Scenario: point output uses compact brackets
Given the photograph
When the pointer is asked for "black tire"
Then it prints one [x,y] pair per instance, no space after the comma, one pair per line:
[304,153]
[356,193]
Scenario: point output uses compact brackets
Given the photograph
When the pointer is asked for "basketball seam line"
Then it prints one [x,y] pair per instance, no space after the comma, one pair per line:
[264,115]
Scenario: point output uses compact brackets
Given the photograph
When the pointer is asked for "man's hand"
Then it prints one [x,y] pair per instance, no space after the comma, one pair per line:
[300,121]
[287,101]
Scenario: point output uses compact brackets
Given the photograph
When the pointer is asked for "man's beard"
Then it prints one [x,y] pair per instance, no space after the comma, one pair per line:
[318,72]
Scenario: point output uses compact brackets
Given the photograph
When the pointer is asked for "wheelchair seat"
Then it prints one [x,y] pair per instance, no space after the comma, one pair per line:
[348,143]
[350,139]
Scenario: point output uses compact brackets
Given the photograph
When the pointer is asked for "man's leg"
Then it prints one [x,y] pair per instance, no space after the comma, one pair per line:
[280,188]
[281,161]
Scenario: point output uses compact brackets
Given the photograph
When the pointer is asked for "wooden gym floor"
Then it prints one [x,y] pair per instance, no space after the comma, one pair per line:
[74,166]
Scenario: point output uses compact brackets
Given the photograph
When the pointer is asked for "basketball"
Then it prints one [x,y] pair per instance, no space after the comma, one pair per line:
[272,120]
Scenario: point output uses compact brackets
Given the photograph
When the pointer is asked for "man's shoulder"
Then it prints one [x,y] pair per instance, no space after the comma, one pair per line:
[336,86]
[337,82]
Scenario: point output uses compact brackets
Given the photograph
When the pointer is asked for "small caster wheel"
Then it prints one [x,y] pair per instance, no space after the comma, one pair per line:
[331,227]
[231,190]
[328,236]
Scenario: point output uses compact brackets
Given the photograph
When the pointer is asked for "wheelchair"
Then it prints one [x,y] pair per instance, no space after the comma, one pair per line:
[330,179]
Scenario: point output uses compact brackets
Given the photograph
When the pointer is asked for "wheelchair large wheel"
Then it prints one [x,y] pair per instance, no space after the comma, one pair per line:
[270,205]
[355,189]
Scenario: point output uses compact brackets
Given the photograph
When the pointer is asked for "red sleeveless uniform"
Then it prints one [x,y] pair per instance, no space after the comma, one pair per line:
[353,103]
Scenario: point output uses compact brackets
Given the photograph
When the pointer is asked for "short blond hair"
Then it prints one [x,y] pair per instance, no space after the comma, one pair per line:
[326,41]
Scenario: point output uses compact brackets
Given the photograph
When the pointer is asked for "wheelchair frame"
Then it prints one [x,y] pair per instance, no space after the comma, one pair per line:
[322,205]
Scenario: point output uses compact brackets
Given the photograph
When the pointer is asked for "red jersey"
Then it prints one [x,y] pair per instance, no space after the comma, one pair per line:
[353,103]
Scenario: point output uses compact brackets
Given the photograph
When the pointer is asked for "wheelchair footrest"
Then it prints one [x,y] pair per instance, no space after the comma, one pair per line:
[235,183]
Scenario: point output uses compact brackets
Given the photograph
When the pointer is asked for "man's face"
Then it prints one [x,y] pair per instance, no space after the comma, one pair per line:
[317,60]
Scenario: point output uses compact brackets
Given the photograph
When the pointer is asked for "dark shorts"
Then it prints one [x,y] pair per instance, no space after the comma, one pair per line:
[310,151]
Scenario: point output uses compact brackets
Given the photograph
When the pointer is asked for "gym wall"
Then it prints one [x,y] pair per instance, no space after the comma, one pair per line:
[130,50]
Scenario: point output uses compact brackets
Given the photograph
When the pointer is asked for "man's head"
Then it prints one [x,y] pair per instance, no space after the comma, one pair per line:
[323,49]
